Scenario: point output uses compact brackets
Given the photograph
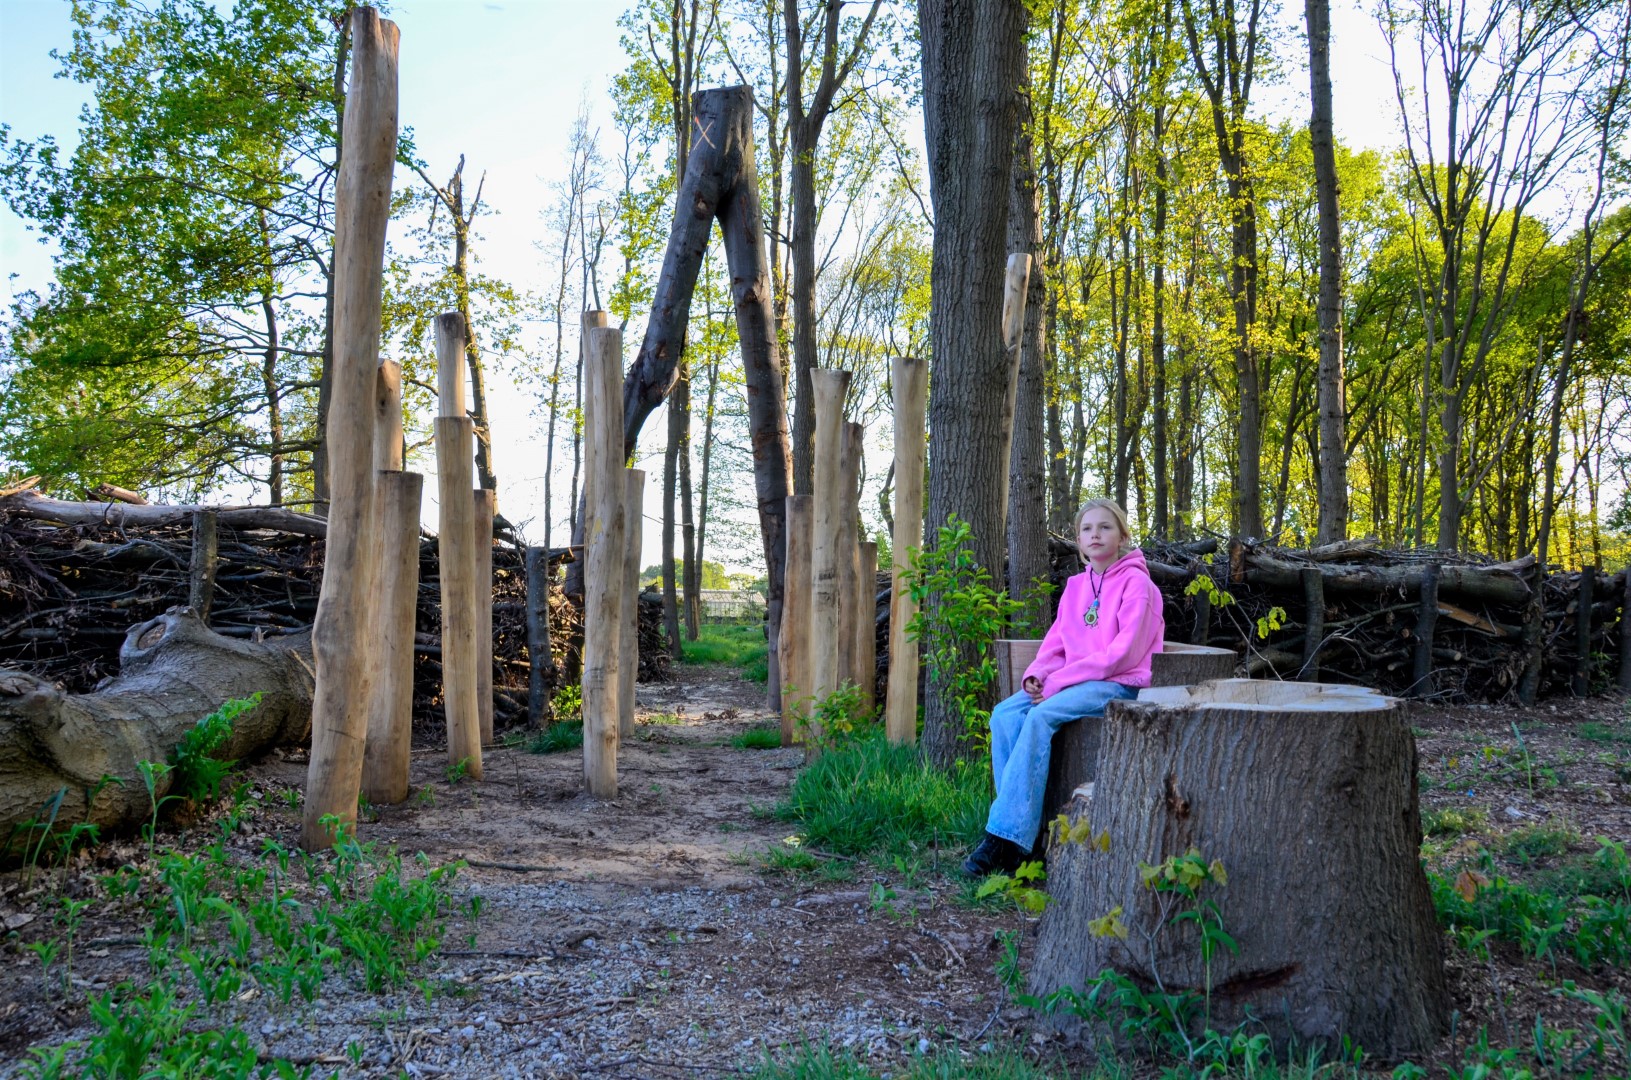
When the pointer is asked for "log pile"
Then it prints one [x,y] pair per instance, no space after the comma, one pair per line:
[70,591]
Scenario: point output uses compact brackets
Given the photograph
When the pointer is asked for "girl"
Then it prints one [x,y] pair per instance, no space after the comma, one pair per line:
[1108,626]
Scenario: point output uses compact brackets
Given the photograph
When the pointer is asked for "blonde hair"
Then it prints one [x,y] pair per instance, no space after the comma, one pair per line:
[1116,512]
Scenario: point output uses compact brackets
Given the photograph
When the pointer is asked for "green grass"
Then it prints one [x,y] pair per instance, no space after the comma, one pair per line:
[563,735]
[871,800]
[1454,821]
[822,1063]
[1604,732]
[1533,843]
[764,737]
[738,645]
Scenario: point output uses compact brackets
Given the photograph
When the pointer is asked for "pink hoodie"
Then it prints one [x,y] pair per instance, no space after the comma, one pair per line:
[1118,646]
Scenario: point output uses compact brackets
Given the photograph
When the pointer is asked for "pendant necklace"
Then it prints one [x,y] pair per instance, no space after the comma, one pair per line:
[1092,616]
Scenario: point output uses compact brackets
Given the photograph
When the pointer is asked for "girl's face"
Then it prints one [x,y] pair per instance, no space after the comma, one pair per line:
[1100,538]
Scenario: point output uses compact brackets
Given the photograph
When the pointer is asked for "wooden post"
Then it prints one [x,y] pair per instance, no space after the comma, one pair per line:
[1203,618]
[795,629]
[390,715]
[866,625]
[634,489]
[606,499]
[826,604]
[201,573]
[481,556]
[388,417]
[456,535]
[1015,283]
[1625,634]
[343,630]
[540,662]
[1421,682]
[1581,683]
[911,379]
[1313,621]
[849,557]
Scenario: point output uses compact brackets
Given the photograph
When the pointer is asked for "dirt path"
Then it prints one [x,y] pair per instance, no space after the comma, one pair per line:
[640,937]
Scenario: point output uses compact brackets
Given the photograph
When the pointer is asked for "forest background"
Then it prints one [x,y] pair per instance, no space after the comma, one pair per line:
[174,341]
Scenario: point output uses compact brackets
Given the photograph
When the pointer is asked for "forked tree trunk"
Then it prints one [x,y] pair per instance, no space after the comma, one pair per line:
[1306,793]
[173,671]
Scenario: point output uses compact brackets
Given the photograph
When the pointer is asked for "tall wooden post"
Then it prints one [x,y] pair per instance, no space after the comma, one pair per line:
[201,571]
[1016,282]
[456,536]
[826,603]
[1313,621]
[343,630]
[634,481]
[606,500]
[1421,682]
[390,714]
[1580,684]
[911,378]
[481,557]
[849,558]
[866,625]
[540,662]
[795,628]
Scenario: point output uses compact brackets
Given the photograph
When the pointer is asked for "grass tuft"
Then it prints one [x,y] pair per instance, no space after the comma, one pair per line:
[563,735]
[764,737]
[738,645]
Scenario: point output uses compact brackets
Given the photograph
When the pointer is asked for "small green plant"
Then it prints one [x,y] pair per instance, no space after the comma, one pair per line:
[457,772]
[1203,583]
[763,737]
[836,718]
[960,612]
[1022,887]
[153,773]
[567,704]
[1271,622]
[1454,820]
[557,737]
[196,772]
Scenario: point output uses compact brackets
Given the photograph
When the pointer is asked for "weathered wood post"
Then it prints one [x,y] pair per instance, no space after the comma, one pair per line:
[390,715]
[1304,789]
[344,626]
[795,629]
[1421,681]
[1016,282]
[911,379]
[456,544]
[540,662]
[826,599]
[866,625]
[481,554]
[1625,633]
[634,483]
[849,558]
[1580,685]
[1202,629]
[1313,621]
[201,569]
[603,541]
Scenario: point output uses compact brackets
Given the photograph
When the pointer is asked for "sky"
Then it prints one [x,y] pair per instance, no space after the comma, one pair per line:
[501,83]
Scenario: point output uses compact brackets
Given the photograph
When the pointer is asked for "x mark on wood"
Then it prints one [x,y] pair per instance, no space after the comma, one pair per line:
[702,132]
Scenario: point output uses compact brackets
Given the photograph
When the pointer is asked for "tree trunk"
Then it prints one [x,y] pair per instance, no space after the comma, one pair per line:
[973,59]
[1028,457]
[173,671]
[1306,789]
[1333,441]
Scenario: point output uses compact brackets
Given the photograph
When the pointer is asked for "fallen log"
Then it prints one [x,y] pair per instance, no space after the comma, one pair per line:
[29,504]
[173,671]
[1499,584]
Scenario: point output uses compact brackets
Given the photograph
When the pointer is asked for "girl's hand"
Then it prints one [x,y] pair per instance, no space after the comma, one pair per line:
[1032,686]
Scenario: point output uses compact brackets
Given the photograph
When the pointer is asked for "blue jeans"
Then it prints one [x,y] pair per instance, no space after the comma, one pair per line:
[1021,740]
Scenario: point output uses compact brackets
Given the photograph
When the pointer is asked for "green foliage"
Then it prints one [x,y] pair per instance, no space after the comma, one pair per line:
[732,645]
[1023,887]
[1454,820]
[568,703]
[960,613]
[763,737]
[836,719]
[871,799]
[824,1063]
[195,771]
[560,736]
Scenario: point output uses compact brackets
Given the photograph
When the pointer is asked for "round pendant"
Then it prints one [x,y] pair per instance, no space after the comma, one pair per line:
[1092,616]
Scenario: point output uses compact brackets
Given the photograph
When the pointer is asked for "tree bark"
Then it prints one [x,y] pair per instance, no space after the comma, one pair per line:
[1293,787]
[173,670]
[1333,459]
[1026,511]
[973,59]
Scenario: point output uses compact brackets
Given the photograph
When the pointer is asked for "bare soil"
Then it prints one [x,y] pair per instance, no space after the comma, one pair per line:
[644,937]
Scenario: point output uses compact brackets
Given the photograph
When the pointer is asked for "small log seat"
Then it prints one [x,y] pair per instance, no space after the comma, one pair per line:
[1075,752]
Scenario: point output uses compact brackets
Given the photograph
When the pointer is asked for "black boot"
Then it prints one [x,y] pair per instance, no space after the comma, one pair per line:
[992,854]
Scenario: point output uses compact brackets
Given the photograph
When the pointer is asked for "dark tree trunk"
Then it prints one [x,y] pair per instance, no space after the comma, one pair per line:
[973,59]
[1296,789]
[671,567]
[1333,438]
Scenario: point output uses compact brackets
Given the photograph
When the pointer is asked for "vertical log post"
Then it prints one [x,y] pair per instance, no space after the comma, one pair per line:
[344,626]
[849,564]
[910,376]
[634,491]
[456,535]
[1625,634]
[1016,282]
[866,626]
[1421,681]
[603,539]
[201,572]
[481,555]
[826,603]
[390,716]
[540,662]
[1203,618]
[795,629]
[1581,683]
[1313,621]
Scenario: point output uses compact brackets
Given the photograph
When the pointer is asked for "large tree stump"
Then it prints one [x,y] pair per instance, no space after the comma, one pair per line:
[173,671]
[1306,793]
